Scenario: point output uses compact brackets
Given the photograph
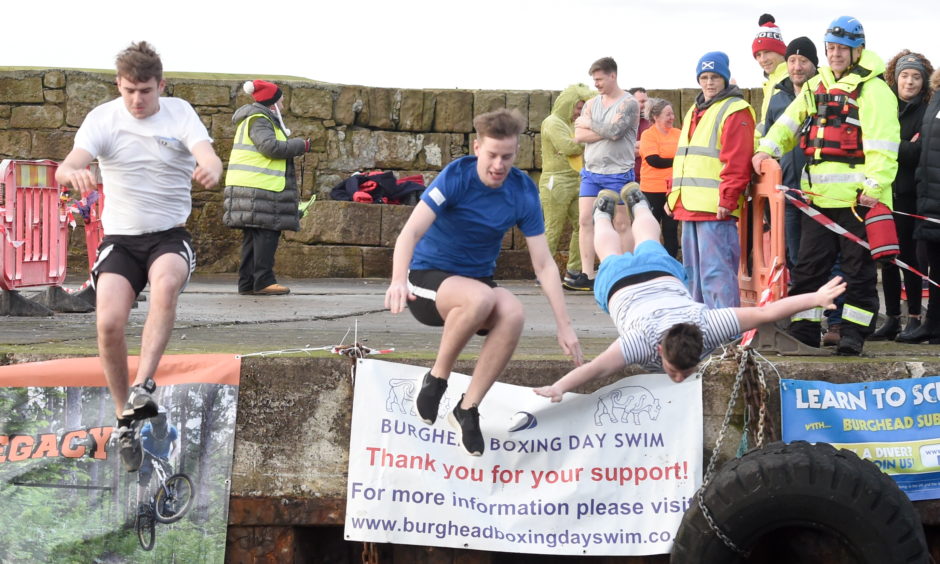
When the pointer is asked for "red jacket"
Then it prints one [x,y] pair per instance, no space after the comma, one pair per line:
[737,148]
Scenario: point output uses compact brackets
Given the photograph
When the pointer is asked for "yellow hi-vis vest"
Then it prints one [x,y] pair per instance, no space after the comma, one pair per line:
[697,169]
[248,167]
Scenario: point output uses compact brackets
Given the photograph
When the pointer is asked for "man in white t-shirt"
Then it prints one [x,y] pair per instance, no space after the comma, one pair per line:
[661,327]
[149,149]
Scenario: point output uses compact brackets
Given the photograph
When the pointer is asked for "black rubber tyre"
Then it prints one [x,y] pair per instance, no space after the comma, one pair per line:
[173,501]
[782,488]
[146,529]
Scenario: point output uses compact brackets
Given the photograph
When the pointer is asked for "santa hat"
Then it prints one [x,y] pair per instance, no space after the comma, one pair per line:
[263,92]
[267,94]
[768,37]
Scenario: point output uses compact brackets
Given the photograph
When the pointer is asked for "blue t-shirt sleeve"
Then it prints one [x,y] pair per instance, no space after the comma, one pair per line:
[442,192]
[531,222]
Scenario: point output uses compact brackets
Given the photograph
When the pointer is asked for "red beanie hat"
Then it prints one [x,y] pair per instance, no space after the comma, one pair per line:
[768,37]
[264,92]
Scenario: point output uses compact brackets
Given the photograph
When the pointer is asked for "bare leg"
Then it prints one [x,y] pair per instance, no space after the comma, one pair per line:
[505,326]
[112,315]
[586,234]
[622,225]
[645,227]
[465,305]
[167,276]
[607,240]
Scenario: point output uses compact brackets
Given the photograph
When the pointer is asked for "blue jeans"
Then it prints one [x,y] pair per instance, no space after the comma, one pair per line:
[711,252]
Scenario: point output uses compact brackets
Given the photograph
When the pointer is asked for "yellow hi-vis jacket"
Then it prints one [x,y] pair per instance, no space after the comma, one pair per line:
[248,167]
[768,90]
[696,168]
[881,136]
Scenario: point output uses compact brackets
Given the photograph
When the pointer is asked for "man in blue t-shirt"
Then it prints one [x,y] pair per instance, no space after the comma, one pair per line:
[160,439]
[444,261]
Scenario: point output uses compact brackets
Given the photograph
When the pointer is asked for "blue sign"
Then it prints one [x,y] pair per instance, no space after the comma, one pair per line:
[894,424]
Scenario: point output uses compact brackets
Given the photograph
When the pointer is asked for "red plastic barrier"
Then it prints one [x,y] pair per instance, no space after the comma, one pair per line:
[33,225]
[760,247]
[94,232]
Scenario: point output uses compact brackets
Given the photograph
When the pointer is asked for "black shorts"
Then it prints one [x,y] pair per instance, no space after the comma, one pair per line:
[424,285]
[131,256]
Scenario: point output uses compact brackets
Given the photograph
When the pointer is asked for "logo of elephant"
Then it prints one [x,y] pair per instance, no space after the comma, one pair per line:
[620,403]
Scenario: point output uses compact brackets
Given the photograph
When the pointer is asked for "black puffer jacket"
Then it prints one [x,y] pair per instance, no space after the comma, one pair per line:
[928,171]
[910,115]
[253,207]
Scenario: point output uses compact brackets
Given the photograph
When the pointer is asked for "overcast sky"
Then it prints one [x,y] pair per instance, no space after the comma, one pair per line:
[485,44]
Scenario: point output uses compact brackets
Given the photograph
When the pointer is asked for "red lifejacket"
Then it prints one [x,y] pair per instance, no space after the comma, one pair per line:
[837,116]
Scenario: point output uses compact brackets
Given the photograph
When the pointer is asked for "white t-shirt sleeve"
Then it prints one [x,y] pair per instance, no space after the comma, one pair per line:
[91,135]
[192,129]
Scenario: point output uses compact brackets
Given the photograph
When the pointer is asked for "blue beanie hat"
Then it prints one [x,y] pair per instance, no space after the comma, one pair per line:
[716,62]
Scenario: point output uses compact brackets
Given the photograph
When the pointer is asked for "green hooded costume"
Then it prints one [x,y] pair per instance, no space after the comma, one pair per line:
[559,183]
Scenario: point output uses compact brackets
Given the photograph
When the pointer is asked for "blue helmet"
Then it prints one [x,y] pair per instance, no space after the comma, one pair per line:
[846,30]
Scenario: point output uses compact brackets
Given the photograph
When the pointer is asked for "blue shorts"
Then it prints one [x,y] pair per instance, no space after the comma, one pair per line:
[649,256]
[592,183]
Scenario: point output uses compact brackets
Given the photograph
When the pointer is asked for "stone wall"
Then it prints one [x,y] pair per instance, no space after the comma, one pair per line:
[353,128]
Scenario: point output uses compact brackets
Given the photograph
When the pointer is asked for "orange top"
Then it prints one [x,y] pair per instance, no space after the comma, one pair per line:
[653,142]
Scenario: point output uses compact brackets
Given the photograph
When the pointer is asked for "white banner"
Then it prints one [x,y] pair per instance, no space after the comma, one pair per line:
[610,473]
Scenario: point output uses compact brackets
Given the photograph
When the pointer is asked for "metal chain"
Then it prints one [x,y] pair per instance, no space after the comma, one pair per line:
[762,385]
[714,459]
[370,554]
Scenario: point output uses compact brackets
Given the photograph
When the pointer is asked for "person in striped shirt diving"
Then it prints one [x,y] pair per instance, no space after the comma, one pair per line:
[643,289]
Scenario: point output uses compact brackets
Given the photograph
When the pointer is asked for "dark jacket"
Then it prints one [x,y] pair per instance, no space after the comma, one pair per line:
[253,207]
[910,115]
[793,162]
[928,171]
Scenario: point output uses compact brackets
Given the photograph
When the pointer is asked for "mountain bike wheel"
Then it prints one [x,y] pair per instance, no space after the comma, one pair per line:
[146,528]
[173,498]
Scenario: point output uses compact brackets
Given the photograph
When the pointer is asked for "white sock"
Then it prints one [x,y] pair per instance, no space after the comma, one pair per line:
[599,214]
[642,204]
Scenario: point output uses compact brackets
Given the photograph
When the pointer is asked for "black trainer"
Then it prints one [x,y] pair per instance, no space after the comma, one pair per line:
[631,196]
[849,345]
[140,404]
[606,203]
[580,283]
[467,423]
[429,398]
[128,441]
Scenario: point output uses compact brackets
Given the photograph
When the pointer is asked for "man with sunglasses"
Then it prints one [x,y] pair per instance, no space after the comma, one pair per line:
[844,121]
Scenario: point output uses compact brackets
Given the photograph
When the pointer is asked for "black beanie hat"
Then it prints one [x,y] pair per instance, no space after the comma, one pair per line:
[803,46]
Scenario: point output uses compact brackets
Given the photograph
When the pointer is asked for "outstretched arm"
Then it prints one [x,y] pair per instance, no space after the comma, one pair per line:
[751,317]
[421,219]
[547,272]
[606,363]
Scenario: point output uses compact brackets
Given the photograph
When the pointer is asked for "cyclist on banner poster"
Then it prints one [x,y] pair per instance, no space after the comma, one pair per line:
[160,439]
